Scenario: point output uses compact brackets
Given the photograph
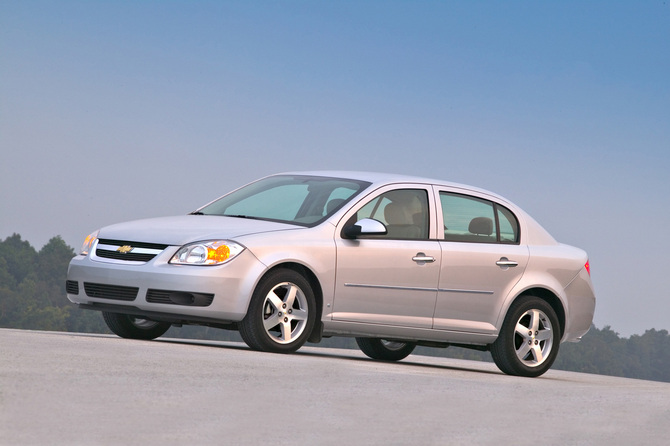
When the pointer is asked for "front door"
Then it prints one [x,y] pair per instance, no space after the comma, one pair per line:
[389,279]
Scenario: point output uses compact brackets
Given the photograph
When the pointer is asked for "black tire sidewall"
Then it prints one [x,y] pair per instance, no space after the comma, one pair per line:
[374,348]
[123,326]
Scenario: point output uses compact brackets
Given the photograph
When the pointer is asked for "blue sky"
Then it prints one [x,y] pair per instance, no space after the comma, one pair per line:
[113,110]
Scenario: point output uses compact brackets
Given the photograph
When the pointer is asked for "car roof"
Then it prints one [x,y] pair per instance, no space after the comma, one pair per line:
[380,179]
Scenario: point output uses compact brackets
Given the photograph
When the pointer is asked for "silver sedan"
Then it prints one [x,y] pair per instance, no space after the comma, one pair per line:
[393,261]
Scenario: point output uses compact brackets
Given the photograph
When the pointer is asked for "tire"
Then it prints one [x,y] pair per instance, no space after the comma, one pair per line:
[132,327]
[281,314]
[384,350]
[528,341]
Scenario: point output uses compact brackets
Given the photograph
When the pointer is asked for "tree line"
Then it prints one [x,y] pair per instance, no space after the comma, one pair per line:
[32,296]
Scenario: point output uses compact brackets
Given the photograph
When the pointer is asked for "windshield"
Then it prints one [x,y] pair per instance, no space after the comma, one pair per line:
[298,199]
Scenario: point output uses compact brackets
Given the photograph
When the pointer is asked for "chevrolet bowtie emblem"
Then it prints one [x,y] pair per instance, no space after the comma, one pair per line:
[125,249]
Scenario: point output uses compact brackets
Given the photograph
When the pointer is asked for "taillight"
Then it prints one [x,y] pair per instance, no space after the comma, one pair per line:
[588,267]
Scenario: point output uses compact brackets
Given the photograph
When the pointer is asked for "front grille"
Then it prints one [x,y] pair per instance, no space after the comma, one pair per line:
[72,287]
[131,256]
[179,298]
[115,292]
[128,251]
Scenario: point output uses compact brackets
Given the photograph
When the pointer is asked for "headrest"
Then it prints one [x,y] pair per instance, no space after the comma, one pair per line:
[481,226]
[395,215]
[332,204]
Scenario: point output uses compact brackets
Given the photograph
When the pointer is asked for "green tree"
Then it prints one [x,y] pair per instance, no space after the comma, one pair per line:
[598,350]
[32,289]
[19,257]
[650,355]
[52,263]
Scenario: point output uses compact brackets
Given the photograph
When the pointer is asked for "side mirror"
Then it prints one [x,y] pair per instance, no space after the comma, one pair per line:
[365,226]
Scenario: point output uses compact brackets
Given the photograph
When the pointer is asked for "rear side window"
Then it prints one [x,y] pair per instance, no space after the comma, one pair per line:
[474,220]
[508,225]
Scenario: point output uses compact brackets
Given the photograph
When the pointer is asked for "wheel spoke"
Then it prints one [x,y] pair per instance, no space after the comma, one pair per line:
[299,315]
[286,331]
[270,323]
[544,335]
[522,351]
[534,320]
[290,296]
[537,353]
[521,330]
[274,300]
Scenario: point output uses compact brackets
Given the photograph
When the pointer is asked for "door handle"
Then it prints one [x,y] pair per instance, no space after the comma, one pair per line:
[504,262]
[423,258]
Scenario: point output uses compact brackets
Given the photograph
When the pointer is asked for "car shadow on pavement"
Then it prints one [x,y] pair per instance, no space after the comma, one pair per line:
[410,361]
[348,355]
[312,350]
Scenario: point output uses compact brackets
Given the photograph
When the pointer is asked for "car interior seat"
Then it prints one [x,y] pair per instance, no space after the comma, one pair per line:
[400,223]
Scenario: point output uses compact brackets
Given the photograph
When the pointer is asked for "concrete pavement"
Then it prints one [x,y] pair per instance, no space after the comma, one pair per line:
[86,389]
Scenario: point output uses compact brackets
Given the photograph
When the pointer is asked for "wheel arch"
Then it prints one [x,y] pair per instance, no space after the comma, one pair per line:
[548,296]
[311,277]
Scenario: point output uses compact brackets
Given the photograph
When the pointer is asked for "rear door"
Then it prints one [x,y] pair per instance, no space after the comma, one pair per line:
[481,261]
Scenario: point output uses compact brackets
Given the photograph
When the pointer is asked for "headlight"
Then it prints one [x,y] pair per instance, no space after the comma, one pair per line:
[88,243]
[213,252]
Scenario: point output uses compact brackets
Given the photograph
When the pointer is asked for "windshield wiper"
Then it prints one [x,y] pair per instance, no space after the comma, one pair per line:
[227,215]
[242,216]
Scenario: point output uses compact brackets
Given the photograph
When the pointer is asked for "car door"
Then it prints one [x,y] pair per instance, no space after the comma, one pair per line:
[389,279]
[481,261]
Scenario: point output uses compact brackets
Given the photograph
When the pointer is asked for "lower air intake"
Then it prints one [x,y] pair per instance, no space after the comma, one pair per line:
[115,292]
[179,298]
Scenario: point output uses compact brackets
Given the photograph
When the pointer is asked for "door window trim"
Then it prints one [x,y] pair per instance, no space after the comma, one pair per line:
[497,210]
[351,216]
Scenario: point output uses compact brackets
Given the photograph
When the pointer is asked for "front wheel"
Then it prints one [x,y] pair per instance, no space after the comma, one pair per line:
[281,314]
[384,350]
[131,327]
[529,338]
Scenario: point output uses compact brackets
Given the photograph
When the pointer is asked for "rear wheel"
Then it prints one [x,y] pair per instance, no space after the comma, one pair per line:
[281,314]
[132,327]
[384,350]
[529,338]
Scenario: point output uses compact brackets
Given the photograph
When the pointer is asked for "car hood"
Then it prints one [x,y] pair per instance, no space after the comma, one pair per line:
[189,228]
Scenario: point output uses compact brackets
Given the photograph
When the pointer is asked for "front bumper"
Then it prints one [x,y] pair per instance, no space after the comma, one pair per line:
[186,293]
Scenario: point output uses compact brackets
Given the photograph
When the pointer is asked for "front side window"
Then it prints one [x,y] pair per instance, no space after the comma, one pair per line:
[404,212]
[471,219]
